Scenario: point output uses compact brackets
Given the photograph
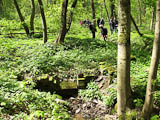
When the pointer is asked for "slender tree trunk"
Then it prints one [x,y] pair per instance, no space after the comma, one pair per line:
[145,16]
[152,78]
[136,27]
[44,25]
[101,9]
[93,18]
[111,2]
[71,15]
[1,9]
[32,17]
[123,65]
[152,19]
[93,10]
[106,9]
[55,1]
[63,30]
[140,13]
[21,18]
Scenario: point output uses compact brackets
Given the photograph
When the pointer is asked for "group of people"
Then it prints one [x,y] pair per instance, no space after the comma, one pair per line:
[104,32]
[100,23]
[90,25]
[113,23]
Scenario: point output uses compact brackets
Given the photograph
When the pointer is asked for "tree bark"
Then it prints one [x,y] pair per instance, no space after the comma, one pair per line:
[106,9]
[93,18]
[63,29]
[152,19]
[136,27]
[21,18]
[44,25]
[152,78]
[140,13]
[71,15]
[111,2]
[1,9]
[123,65]
[55,1]
[32,17]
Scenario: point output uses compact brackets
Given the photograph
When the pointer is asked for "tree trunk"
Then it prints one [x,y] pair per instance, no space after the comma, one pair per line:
[123,65]
[136,27]
[140,13]
[21,18]
[44,25]
[32,17]
[101,9]
[1,9]
[63,30]
[106,9]
[152,19]
[71,14]
[55,1]
[111,2]
[152,78]
[93,18]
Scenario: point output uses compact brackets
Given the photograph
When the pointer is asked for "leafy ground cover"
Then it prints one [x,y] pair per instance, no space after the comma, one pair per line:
[79,54]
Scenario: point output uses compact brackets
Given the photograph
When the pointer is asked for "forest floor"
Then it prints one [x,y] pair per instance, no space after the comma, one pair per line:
[82,110]
[79,55]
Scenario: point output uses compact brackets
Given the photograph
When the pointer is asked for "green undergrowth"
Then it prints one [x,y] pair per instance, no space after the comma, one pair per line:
[78,54]
[20,101]
[141,48]
[108,96]
[20,56]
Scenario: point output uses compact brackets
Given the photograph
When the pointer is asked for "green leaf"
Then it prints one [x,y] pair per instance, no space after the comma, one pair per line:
[39,114]
[3,104]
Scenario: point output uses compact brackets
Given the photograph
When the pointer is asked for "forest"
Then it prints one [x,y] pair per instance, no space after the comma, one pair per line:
[79,59]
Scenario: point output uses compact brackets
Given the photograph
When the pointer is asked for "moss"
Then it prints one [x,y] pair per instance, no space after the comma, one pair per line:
[133,58]
[122,39]
[107,67]
[72,85]
[68,85]
[54,81]
[50,78]
[110,69]
[81,78]
[44,76]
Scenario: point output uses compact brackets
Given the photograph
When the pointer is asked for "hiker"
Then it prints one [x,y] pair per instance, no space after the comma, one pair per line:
[111,24]
[85,22]
[92,29]
[103,32]
[100,22]
[115,24]
[90,25]
[88,22]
